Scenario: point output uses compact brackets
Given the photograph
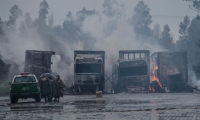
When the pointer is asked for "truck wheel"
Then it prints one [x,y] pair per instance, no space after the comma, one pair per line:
[13,100]
[38,98]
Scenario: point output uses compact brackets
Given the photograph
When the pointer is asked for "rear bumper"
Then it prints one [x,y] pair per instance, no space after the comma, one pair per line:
[139,78]
[24,95]
[137,89]
[136,83]
[88,79]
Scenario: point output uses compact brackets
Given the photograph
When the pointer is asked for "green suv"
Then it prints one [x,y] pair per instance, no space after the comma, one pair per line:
[24,86]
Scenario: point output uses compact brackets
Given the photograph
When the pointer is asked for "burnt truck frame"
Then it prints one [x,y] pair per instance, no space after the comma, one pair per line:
[133,71]
[170,67]
[38,62]
[89,70]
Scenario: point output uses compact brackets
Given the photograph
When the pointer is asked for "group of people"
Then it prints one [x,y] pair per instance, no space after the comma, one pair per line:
[51,88]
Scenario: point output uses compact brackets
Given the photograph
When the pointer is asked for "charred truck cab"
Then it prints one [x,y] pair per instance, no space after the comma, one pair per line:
[133,71]
[38,62]
[89,70]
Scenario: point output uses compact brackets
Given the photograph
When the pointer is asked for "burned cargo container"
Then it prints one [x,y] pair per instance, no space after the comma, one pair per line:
[169,70]
[133,71]
[89,67]
[38,62]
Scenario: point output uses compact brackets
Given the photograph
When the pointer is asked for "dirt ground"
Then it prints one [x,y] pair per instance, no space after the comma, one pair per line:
[141,106]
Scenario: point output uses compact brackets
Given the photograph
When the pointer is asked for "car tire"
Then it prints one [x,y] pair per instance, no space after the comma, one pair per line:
[38,98]
[13,100]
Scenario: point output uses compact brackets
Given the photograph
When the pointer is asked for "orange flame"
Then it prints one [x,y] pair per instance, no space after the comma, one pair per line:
[154,78]
[152,89]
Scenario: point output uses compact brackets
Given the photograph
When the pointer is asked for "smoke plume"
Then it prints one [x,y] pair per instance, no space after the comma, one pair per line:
[88,30]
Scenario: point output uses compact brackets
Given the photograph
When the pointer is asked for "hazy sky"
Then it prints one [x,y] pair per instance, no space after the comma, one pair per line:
[163,12]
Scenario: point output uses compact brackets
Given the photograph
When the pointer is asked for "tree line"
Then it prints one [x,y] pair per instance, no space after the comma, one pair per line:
[70,32]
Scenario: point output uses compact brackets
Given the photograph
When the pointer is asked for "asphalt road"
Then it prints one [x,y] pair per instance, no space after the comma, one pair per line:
[141,106]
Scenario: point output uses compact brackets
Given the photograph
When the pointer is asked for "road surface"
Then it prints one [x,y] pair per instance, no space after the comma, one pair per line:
[141,106]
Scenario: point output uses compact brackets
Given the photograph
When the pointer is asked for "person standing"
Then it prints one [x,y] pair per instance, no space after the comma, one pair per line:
[45,86]
[57,88]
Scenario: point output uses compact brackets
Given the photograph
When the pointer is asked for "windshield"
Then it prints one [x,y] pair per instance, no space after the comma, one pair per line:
[88,68]
[24,79]
[133,56]
[133,71]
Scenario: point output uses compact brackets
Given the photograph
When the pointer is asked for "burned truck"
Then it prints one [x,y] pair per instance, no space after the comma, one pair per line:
[133,71]
[169,71]
[89,67]
[38,62]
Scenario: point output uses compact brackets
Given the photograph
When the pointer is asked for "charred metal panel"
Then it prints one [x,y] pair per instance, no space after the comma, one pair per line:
[88,79]
[92,68]
[133,63]
[133,71]
[132,81]
[175,82]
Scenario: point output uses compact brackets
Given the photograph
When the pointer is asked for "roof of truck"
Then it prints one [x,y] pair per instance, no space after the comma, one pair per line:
[134,51]
[169,52]
[87,51]
[76,52]
[52,52]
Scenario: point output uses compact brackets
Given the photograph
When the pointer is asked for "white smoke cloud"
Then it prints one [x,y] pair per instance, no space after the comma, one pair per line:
[13,49]
[64,67]
[109,34]
[121,37]
[193,80]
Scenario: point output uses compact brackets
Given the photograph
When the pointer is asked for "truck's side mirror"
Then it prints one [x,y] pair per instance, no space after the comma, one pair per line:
[9,83]
[51,63]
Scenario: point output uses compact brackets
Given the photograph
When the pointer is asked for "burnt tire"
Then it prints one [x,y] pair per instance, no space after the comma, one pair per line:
[38,98]
[13,100]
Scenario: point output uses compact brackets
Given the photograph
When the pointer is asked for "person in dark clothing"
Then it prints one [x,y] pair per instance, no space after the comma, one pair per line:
[46,89]
[57,88]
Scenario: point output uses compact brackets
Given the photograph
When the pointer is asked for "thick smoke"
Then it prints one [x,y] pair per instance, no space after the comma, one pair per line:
[88,30]
[114,35]
[13,50]
[193,79]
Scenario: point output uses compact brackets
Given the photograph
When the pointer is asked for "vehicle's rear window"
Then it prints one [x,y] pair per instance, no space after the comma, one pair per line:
[24,79]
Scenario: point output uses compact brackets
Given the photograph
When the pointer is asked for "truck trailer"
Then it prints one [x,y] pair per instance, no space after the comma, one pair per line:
[38,62]
[169,71]
[133,71]
[89,68]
